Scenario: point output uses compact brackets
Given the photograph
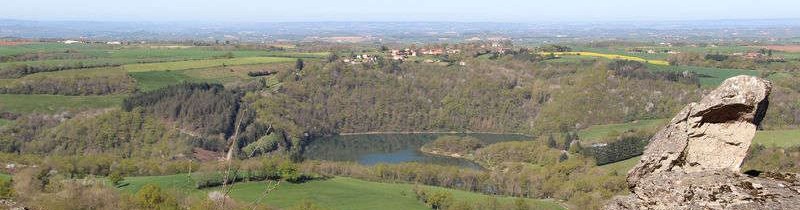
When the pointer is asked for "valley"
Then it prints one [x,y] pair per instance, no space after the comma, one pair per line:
[479,125]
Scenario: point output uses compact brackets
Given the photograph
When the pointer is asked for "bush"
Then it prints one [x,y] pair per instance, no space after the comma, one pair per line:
[152,197]
[115,178]
[434,199]
[6,190]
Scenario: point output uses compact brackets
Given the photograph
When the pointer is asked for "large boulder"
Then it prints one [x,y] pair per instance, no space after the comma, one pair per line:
[712,134]
[694,161]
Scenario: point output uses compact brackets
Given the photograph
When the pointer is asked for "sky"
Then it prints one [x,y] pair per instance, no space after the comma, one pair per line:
[386,10]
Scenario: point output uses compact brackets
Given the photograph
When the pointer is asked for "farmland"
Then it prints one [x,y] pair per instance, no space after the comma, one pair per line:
[17,103]
[709,77]
[611,56]
[180,65]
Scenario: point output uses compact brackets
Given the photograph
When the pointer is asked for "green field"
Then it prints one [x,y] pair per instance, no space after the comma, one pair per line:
[335,193]
[181,65]
[147,81]
[663,56]
[778,138]
[151,80]
[709,77]
[4,122]
[598,132]
[53,103]
[622,167]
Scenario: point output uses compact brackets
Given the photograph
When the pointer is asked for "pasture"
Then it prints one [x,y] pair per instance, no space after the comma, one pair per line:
[181,65]
[778,138]
[597,132]
[621,167]
[335,193]
[709,77]
[16,103]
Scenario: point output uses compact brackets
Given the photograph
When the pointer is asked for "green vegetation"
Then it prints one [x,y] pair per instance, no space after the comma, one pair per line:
[621,167]
[170,110]
[597,133]
[778,138]
[181,65]
[709,77]
[152,80]
[334,193]
[611,56]
[17,103]
[149,81]
[452,146]
[4,122]
[5,176]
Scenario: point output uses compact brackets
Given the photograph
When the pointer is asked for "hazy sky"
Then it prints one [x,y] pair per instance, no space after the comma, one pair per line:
[385,10]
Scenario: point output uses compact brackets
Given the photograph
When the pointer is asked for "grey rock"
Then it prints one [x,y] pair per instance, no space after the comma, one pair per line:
[714,133]
[694,162]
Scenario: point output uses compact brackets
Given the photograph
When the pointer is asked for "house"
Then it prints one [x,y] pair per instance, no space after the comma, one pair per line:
[403,54]
[453,51]
[114,43]
[356,59]
[432,51]
[71,42]
[753,55]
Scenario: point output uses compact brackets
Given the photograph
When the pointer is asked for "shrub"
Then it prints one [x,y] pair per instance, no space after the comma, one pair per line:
[6,190]
[115,178]
[150,196]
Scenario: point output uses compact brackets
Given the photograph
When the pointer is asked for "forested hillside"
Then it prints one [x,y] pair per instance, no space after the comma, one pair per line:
[488,96]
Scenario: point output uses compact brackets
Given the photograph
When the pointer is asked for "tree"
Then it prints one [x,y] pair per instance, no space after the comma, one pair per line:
[299,64]
[332,57]
[439,199]
[551,141]
[568,138]
[115,178]
[149,196]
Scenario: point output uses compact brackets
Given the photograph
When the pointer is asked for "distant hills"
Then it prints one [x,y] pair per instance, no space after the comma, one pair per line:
[770,29]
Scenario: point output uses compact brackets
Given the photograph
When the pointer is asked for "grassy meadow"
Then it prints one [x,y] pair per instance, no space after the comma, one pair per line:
[709,77]
[16,103]
[598,132]
[335,193]
[181,65]
[621,167]
[4,122]
[778,138]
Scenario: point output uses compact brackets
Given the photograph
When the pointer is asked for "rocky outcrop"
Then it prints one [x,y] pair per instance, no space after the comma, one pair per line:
[693,163]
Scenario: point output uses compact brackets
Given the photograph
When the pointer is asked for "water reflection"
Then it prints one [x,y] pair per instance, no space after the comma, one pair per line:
[371,149]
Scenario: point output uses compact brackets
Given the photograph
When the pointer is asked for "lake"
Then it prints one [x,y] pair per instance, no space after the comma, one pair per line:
[371,149]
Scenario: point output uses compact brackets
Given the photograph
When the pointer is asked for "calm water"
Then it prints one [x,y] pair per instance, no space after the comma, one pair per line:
[371,149]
